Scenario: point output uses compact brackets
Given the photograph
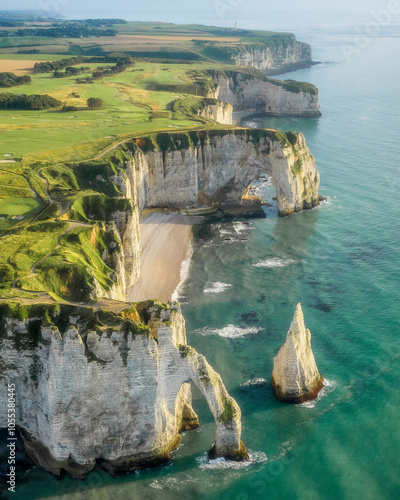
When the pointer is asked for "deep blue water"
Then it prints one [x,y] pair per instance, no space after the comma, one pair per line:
[341,261]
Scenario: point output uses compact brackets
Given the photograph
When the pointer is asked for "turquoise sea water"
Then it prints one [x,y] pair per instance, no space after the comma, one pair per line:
[341,261]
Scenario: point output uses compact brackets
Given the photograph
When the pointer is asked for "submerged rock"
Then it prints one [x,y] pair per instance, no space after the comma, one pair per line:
[295,377]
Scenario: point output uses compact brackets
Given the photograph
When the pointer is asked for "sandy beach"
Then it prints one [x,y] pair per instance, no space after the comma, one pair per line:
[165,248]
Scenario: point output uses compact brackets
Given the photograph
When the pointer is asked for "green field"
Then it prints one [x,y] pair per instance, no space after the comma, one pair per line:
[130,107]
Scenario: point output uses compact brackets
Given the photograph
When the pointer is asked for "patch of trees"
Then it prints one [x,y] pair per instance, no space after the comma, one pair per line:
[70,71]
[33,102]
[104,22]
[101,72]
[32,51]
[67,32]
[119,58]
[95,103]
[12,80]
[49,66]
[68,108]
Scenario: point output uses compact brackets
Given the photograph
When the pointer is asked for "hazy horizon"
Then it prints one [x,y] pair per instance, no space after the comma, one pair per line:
[247,13]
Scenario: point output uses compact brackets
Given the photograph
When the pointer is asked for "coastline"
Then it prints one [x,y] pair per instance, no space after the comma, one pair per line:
[166,254]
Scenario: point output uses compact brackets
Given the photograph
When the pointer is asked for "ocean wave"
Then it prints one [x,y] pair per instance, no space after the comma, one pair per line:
[239,227]
[231,331]
[329,386]
[328,201]
[254,381]
[173,483]
[255,457]
[217,287]
[274,262]
[184,273]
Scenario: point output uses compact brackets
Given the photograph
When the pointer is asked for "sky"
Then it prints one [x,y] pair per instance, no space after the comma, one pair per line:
[213,12]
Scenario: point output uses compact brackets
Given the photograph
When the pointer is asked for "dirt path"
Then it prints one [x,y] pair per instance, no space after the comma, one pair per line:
[165,247]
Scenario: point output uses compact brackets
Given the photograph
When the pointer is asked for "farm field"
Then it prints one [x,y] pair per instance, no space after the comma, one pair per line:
[130,107]
[22,64]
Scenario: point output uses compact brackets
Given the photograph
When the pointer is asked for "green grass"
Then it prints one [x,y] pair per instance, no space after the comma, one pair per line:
[32,57]
[10,207]
[25,246]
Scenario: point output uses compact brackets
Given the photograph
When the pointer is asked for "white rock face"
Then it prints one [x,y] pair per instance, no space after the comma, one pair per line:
[118,396]
[220,113]
[125,262]
[265,97]
[218,171]
[294,54]
[295,377]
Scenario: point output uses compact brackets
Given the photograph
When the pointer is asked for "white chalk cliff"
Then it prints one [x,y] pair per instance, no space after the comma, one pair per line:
[282,57]
[264,95]
[295,377]
[116,395]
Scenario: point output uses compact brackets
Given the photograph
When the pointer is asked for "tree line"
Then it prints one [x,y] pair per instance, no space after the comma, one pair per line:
[12,80]
[33,102]
[67,32]
[52,66]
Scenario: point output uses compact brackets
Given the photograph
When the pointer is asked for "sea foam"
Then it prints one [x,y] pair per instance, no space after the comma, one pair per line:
[329,386]
[255,457]
[216,287]
[274,262]
[231,331]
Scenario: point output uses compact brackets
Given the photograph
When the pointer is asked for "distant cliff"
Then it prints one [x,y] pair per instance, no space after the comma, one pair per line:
[112,388]
[287,55]
[264,95]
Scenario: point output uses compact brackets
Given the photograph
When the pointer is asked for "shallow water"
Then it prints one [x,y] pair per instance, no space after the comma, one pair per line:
[341,261]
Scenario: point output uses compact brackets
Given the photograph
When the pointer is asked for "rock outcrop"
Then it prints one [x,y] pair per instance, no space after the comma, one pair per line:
[96,386]
[275,58]
[220,112]
[295,377]
[264,95]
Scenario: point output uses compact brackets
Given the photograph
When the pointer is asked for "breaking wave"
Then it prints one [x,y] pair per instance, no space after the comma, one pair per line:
[329,386]
[231,331]
[255,457]
[274,262]
[217,287]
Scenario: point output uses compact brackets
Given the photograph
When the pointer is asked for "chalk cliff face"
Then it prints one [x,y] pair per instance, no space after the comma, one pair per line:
[274,59]
[295,377]
[264,96]
[220,112]
[216,170]
[125,262]
[116,393]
